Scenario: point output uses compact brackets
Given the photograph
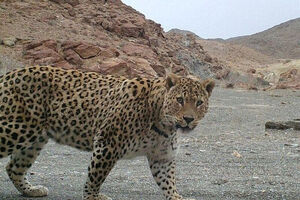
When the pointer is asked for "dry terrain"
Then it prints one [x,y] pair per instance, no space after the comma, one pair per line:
[283,74]
[238,57]
[272,55]
[281,41]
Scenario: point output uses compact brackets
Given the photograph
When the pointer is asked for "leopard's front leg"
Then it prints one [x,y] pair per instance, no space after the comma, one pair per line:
[103,160]
[163,172]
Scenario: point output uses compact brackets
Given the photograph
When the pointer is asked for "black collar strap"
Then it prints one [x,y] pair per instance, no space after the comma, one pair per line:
[160,132]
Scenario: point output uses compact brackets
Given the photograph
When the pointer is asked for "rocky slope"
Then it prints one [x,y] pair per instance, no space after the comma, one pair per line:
[281,41]
[246,65]
[284,73]
[237,56]
[239,61]
[105,36]
[102,36]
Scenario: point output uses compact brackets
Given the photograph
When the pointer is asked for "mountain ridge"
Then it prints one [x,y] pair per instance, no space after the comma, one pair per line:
[282,41]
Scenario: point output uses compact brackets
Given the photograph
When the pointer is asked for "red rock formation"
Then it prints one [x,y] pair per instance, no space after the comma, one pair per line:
[103,36]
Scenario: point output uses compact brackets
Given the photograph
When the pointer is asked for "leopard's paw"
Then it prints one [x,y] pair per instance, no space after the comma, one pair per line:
[104,197]
[36,191]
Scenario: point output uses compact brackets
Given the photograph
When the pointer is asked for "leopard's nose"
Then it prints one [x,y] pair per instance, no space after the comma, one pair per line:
[188,119]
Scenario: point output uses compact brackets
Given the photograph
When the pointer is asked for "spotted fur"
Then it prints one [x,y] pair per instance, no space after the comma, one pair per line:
[113,117]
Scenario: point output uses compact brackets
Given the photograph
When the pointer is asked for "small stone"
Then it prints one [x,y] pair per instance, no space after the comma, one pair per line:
[220,181]
[267,134]
[272,182]
[229,85]
[251,71]
[292,145]
[236,154]
[9,41]
[295,124]
[276,125]
[72,12]
[275,95]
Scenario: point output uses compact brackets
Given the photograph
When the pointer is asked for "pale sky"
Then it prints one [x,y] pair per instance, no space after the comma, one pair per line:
[218,18]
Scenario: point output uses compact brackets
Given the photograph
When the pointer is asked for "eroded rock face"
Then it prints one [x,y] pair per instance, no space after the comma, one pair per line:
[285,76]
[289,79]
[42,52]
[86,51]
[72,57]
[89,57]
[104,36]
[131,30]
[115,66]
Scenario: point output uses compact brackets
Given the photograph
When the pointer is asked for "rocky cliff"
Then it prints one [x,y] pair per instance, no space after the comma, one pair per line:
[105,36]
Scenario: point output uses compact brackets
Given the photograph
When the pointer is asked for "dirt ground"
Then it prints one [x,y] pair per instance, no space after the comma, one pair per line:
[230,156]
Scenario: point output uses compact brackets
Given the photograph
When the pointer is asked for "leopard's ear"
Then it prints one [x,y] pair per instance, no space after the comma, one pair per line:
[209,86]
[171,80]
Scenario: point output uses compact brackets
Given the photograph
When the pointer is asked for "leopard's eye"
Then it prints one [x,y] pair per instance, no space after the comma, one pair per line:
[199,103]
[180,100]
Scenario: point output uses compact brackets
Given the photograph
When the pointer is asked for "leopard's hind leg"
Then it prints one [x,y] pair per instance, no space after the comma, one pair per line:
[19,164]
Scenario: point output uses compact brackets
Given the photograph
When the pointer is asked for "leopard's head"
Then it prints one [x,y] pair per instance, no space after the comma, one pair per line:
[186,101]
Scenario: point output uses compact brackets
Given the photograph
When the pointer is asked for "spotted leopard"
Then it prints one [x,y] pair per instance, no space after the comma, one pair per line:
[113,117]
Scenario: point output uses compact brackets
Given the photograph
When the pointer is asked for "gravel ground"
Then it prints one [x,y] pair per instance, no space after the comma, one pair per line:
[229,156]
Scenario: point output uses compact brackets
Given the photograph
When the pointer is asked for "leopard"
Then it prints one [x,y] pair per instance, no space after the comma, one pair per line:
[113,117]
